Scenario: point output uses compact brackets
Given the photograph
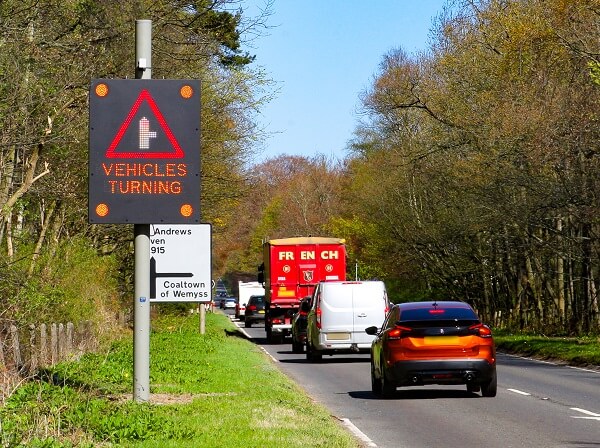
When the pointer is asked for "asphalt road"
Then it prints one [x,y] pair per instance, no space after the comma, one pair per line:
[538,404]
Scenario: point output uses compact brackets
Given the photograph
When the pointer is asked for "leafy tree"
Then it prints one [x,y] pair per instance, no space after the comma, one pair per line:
[49,53]
[484,145]
[286,196]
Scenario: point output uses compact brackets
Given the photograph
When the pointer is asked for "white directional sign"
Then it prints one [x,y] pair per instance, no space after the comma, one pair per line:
[180,263]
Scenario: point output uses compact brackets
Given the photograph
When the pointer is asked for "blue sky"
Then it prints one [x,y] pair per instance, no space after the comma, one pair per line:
[322,54]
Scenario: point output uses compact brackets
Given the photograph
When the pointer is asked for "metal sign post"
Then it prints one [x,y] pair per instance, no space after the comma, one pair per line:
[144,168]
[141,307]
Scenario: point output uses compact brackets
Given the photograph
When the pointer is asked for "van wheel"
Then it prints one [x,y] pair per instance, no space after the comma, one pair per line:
[297,347]
[311,354]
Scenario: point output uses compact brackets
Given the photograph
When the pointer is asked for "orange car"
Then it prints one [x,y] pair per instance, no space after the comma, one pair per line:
[433,343]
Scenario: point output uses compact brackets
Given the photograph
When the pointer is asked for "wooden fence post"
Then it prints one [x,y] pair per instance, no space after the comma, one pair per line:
[43,346]
[61,342]
[33,363]
[3,365]
[70,339]
[54,344]
[14,332]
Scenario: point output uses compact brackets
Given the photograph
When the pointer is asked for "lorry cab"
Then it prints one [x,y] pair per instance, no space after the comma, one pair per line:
[340,312]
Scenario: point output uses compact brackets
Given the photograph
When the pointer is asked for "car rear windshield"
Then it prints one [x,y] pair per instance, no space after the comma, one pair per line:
[438,314]
[259,300]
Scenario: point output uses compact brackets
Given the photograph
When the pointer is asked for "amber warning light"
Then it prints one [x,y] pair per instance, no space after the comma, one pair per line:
[101,90]
[144,151]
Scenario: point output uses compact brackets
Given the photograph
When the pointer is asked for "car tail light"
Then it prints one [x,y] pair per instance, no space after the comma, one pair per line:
[481,330]
[318,315]
[398,332]
[437,311]
[277,321]
[252,308]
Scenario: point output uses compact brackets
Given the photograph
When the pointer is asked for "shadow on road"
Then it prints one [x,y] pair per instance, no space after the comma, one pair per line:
[415,394]
[326,360]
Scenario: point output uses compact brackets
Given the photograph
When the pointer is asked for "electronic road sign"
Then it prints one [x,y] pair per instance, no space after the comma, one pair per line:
[144,155]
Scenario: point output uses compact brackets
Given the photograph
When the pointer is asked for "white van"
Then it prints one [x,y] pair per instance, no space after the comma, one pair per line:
[245,291]
[340,312]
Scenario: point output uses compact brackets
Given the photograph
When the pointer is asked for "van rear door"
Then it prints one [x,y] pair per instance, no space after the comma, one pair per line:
[369,300]
[336,308]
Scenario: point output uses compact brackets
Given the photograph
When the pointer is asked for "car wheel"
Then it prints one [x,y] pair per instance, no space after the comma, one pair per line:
[473,387]
[490,388]
[375,382]
[388,388]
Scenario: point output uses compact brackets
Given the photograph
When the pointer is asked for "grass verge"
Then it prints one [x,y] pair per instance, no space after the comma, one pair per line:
[212,390]
[583,352]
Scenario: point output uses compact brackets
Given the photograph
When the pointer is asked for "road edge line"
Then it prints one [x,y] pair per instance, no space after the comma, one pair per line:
[357,432]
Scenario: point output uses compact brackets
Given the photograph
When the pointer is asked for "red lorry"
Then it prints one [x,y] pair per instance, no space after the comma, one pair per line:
[290,270]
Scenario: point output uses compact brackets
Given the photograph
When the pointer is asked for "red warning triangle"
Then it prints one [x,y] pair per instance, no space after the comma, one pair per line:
[111,152]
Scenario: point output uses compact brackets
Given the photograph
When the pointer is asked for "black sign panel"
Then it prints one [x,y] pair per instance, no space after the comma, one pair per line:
[144,159]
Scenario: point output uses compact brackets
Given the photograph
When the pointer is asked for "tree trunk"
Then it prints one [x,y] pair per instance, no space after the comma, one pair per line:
[42,237]
[560,274]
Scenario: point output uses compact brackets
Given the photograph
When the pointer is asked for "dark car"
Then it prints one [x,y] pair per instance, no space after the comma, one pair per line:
[255,311]
[424,343]
[299,324]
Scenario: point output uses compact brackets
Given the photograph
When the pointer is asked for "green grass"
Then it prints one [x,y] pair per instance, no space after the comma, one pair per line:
[575,351]
[212,390]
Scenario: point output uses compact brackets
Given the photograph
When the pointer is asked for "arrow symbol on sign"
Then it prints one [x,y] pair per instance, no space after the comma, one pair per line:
[154,275]
[145,133]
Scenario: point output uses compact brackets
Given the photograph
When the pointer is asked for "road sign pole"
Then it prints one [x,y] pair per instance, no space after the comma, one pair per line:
[141,308]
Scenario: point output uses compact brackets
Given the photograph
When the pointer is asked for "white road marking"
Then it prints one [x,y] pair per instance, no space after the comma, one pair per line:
[520,392]
[591,415]
[275,360]
[596,371]
[245,333]
[357,432]
[584,369]
[347,423]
